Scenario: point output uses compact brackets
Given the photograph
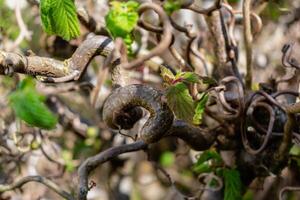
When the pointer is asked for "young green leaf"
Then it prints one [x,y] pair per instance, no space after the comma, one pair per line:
[29,106]
[207,162]
[180,101]
[233,184]
[60,17]
[122,19]
[197,119]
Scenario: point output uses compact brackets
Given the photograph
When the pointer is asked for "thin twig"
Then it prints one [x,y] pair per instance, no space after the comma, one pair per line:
[93,162]
[290,124]
[285,189]
[24,33]
[248,41]
[165,38]
[39,179]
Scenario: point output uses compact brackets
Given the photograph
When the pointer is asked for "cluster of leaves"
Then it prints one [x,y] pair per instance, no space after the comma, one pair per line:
[121,20]
[210,161]
[179,98]
[59,17]
[29,105]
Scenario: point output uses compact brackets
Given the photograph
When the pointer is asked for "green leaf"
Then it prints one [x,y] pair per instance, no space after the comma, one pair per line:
[197,119]
[171,5]
[188,77]
[29,106]
[208,161]
[233,184]
[60,17]
[121,19]
[180,101]
[167,159]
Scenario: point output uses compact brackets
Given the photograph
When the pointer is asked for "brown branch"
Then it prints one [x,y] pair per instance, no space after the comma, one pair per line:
[248,41]
[290,124]
[92,163]
[217,37]
[204,11]
[285,189]
[166,37]
[197,138]
[287,61]
[53,186]
[90,23]
[54,70]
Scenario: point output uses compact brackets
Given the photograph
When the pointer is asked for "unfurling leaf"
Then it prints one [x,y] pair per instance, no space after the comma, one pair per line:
[180,101]
[233,184]
[29,106]
[197,119]
[167,75]
[60,17]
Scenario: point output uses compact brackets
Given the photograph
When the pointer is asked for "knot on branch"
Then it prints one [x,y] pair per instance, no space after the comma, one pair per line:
[117,111]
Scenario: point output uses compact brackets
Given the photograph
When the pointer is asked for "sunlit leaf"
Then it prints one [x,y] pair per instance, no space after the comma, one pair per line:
[181,102]
[29,106]
[121,19]
[60,17]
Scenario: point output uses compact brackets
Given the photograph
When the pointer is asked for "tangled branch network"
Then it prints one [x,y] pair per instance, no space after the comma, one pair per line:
[235,108]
